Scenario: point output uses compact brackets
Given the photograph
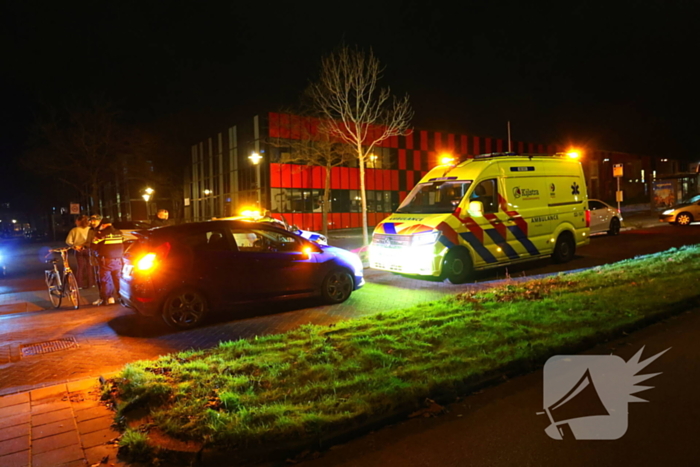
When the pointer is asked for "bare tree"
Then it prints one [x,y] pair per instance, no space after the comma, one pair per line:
[316,147]
[82,147]
[355,109]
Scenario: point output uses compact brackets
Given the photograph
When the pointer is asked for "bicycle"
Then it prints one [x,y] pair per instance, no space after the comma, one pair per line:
[62,284]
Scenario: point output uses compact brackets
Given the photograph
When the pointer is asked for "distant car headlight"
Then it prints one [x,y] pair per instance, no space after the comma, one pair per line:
[667,212]
[427,238]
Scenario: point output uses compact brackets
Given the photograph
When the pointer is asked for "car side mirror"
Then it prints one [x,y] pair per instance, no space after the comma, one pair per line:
[476,209]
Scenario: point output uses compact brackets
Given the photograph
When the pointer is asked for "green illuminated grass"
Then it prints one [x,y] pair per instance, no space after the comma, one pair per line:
[317,379]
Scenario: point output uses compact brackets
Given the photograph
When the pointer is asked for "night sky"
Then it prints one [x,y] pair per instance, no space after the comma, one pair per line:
[616,75]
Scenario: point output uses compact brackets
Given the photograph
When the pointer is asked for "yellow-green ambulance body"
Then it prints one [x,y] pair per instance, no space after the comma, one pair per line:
[489,211]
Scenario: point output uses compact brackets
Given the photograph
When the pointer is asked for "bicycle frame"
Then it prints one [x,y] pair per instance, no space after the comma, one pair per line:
[61,276]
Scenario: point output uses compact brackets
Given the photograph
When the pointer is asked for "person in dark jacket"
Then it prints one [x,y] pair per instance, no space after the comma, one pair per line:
[108,244]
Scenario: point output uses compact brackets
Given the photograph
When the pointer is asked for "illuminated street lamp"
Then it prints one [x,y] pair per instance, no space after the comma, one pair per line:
[147,195]
[207,192]
[255,159]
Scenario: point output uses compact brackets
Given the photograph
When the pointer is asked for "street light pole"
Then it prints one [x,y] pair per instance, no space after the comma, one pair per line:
[255,158]
[147,195]
[206,192]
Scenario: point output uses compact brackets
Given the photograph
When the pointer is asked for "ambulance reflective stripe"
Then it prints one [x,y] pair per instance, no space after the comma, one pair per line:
[390,227]
[470,224]
[500,240]
[478,247]
[519,230]
[475,237]
[522,238]
[449,236]
[497,224]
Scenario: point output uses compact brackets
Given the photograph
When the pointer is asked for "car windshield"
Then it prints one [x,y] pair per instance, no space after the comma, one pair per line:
[691,200]
[435,197]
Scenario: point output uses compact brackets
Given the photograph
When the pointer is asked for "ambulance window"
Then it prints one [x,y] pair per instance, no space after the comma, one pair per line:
[487,193]
[435,197]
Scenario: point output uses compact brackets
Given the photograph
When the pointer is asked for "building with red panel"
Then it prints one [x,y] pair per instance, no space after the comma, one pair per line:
[227,176]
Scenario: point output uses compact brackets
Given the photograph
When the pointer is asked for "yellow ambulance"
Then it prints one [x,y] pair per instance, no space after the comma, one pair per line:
[493,210]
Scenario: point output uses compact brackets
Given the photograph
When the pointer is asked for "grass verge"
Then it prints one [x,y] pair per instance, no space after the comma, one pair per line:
[315,381]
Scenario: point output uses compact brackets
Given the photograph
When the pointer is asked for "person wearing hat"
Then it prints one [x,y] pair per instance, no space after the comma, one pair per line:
[108,245]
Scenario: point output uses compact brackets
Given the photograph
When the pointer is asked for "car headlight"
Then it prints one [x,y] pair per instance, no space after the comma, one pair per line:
[426,238]
[668,211]
[356,263]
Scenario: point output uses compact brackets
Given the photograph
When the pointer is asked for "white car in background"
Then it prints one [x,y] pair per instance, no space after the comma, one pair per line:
[684,213]
[604,218]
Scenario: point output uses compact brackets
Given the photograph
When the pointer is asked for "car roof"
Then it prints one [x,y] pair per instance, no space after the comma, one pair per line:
[240,224]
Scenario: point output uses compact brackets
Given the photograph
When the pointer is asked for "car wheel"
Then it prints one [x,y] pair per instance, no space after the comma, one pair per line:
[564,249]
[684,218]
[337,286]
[457,267]
[614,226]
[185,308]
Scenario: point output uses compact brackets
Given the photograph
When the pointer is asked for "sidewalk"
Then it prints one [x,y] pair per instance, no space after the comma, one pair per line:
[61,425]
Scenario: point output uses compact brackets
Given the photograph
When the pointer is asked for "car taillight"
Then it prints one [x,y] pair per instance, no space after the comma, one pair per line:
[588,218]
[149,261]
[146,262]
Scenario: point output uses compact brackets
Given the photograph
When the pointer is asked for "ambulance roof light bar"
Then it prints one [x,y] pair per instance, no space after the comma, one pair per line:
[515,154]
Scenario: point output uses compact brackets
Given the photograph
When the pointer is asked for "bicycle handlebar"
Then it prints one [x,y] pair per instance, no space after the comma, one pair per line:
[59,250]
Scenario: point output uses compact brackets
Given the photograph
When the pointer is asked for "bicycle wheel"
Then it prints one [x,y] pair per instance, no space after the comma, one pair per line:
[55,292]
[71,289]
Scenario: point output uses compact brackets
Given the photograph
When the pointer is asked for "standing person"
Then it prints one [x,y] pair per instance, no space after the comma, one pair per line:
[78,239]
[94,223]
[108,243]
[161,218]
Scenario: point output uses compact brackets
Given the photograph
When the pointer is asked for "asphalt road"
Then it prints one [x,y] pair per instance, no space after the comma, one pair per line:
[109,337]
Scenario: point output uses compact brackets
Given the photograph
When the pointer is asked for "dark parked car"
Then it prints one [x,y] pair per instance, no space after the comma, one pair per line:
[183,272]
[129,229]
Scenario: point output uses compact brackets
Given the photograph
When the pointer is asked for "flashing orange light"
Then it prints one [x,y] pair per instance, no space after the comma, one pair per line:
[147,262]
[573,154]
[250,213]
[446,159]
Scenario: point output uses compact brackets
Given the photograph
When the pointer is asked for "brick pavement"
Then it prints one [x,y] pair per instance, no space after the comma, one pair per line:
[61,425]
